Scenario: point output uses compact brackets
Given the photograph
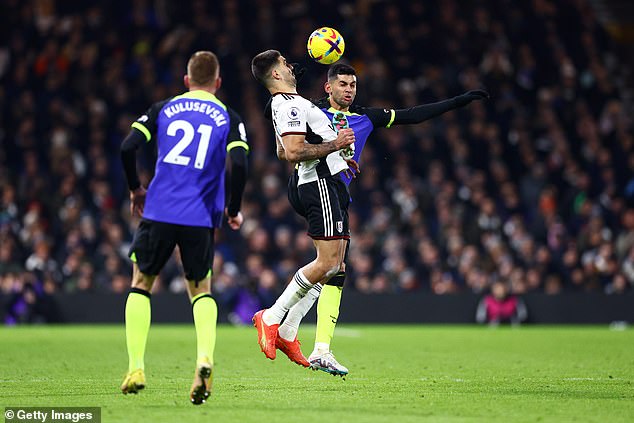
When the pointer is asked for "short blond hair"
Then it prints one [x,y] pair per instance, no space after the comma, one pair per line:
[203,68]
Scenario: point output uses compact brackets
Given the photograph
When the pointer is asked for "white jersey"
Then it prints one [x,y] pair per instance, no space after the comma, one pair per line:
[294,115]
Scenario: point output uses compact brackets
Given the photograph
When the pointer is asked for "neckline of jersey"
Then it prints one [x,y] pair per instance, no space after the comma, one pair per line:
[201,95]
[348,113]
[280,92]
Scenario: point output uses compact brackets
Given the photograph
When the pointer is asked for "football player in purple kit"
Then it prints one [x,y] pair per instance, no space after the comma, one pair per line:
[341,88]
[184,203]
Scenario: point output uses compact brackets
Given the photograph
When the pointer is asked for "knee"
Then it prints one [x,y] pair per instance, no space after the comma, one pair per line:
[141,280]
[328,268]
[332,271]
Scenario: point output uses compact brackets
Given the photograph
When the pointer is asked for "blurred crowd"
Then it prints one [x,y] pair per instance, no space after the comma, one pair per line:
[534,189]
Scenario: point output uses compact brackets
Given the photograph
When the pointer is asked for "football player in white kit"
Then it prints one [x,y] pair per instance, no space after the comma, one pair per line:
[304,135]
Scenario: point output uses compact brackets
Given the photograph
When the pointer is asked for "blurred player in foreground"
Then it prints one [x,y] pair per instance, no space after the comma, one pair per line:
[183,205]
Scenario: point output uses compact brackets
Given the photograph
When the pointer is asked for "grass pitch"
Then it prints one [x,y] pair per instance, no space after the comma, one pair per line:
[397,374]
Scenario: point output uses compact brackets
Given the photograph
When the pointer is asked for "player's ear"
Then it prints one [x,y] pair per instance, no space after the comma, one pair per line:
[327,87]
[186,81]
[218,82]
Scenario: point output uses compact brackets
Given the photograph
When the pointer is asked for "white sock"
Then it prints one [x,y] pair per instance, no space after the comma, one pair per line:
[320,348]
[295,291]
[288,329]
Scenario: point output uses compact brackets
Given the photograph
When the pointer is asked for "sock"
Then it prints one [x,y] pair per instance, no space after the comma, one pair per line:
[138,313]
[205,316]
[288,329]
[328,313]
[295,291]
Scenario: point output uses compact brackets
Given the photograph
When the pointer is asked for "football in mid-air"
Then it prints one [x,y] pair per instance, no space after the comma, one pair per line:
[326,45]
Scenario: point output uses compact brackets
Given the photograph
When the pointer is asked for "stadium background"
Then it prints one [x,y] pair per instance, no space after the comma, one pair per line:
[534,188]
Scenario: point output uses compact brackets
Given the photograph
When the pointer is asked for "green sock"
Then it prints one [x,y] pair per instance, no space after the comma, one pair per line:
[138,314]
[205,315]
[327,313]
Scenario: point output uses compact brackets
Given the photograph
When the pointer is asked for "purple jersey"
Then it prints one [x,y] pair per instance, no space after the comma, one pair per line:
[194,131]
[362,120]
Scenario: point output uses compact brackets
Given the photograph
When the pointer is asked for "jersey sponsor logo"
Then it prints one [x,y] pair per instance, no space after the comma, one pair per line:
[293,123]
[143,118]
[340,121]
[293,113]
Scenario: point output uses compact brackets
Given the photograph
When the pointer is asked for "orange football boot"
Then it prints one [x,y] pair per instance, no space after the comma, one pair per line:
[292,351]
[267,334]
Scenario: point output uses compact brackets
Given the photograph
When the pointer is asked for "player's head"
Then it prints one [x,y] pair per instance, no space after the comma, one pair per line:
[342,84]
[271,69]
[203,72]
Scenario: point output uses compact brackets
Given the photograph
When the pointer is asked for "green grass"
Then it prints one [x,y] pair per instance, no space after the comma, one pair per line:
[398,374]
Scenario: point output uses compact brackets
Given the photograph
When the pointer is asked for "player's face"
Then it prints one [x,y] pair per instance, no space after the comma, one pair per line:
[285,70]
[343,90]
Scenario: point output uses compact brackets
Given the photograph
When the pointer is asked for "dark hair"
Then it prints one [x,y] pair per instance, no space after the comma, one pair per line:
[262,63]
[340,69]
[202,68]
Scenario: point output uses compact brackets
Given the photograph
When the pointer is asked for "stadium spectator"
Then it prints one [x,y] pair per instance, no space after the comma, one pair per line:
[500,307]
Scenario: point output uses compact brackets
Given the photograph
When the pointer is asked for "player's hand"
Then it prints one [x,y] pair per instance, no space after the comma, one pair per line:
[298,71]
[344,138]
[137,201]
[353,168]
[234,221]
[472,95]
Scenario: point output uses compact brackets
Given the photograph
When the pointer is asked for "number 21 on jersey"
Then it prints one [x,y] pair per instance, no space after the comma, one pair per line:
[174,156]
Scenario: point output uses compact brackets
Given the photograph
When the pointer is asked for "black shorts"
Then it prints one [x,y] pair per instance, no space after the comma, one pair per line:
[324,204]
[154,243]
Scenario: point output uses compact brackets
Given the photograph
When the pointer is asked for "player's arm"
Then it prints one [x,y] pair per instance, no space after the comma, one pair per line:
[129,146]
[140,132]
[268,114]
[281,146]
[281,154]
[297,150]
[417,114]
[237,149]
[291,124]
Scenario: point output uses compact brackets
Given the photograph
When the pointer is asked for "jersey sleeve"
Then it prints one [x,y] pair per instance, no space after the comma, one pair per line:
[237,136]
[290,118]
[412,115]
[146,123]
[380,118]
[237,149]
